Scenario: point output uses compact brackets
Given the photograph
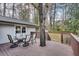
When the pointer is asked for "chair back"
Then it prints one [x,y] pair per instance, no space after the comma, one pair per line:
[34,36]
[10,38]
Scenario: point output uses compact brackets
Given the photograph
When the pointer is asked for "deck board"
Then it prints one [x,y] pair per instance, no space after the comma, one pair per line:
[51,49]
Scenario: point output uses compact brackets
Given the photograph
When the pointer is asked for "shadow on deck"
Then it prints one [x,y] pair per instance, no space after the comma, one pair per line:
[51,49]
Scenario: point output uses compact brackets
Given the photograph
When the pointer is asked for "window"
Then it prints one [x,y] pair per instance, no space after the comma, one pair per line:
[18,29]
[23,30]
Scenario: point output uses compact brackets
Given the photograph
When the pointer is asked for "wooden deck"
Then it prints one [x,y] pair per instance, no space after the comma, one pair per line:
[51,49]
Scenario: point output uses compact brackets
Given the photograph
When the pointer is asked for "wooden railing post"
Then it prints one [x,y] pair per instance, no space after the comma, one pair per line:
[61,37]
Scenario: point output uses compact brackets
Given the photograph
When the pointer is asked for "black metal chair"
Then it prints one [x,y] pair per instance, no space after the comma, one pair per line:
[14,44]
[26,43]
[35,36]
[31,39]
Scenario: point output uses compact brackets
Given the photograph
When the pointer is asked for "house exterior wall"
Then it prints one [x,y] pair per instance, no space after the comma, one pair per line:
[30,30]
[11,29]
[4,30]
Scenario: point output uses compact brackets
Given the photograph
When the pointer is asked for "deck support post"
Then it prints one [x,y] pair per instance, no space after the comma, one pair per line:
[61,37]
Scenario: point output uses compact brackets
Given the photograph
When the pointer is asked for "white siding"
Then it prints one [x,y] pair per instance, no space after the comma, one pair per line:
[4,30]
[30,30]
[8,29]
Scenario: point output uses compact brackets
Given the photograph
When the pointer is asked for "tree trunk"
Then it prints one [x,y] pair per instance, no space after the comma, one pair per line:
[61,37]
[54,16]
[13,10]
[50,13]
[42,26]
[4,9]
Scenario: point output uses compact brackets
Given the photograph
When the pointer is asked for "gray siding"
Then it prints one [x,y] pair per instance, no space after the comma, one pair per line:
[8,29]
[4,30]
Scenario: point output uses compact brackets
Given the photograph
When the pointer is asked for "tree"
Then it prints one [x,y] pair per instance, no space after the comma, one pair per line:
[4,9]
[43,10]
[42,25]
[54,14]
[36,17]
[71,24]
[13,10]
[23,11]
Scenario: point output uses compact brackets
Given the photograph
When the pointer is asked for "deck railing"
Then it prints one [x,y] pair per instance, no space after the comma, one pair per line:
[72,40]
[69,39]
[74,43]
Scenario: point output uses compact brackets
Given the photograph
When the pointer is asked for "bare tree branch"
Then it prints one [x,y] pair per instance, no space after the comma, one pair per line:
[35,6]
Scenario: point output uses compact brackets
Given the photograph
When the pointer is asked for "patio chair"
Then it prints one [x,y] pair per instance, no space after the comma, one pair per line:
[26,43]
[34,35]
[31,39]
[14,44]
